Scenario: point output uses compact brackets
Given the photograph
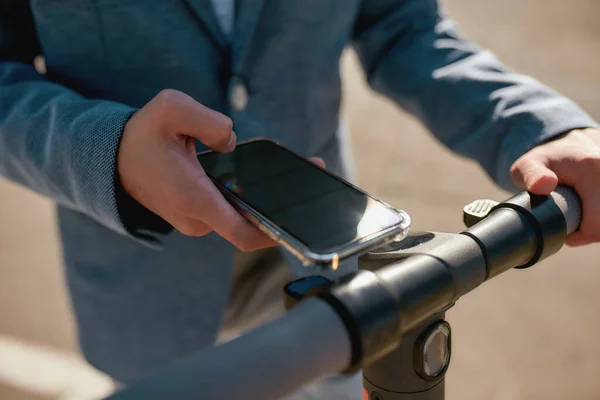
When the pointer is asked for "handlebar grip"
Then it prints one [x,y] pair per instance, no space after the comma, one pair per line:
[569,203]
[527,228]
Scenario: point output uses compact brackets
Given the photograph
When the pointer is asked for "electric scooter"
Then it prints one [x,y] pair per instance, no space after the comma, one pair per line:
[387,319]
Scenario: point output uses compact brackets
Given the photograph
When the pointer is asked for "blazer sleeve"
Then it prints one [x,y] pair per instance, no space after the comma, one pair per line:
[56,142]
[414,54]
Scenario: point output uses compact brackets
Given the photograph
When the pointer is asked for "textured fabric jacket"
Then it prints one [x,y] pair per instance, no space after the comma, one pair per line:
[141,295]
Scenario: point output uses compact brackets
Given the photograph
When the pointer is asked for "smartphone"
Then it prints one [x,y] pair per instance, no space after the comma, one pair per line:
[316,215]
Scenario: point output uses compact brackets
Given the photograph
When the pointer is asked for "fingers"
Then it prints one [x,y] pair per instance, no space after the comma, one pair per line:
[158,167]
[582,173]
[192,227]
[207,204]
[179,114]
[318,161]
[588,189]
[240,232]
[200,207]
[532,174]
[589,230]
[577,239]
[573,160]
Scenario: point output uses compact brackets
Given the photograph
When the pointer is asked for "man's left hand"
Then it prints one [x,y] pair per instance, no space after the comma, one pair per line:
[572,160]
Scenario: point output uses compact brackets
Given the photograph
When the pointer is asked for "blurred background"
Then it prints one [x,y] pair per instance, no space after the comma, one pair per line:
[527,335]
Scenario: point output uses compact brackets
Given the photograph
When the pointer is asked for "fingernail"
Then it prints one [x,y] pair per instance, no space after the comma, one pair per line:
[232,142]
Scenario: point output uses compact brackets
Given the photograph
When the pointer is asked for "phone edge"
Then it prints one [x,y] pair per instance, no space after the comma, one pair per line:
[306,256]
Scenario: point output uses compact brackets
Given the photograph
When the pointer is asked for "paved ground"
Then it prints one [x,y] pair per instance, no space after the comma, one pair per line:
[527,335]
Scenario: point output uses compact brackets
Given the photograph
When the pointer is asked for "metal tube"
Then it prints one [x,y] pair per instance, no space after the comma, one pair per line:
[395,376]
[570,205]
[308,343]
[507,239]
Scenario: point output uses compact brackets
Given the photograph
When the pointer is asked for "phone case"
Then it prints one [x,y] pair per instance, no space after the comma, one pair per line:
[300,250]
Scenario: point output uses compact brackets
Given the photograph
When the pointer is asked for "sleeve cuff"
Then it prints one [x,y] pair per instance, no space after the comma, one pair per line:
[546,123]
[102,194]
[137,220]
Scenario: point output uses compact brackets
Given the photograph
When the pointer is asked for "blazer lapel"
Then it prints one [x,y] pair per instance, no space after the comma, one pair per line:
[247,15]
[203,9]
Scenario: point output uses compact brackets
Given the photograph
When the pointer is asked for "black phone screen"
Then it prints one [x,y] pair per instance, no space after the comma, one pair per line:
[318,209]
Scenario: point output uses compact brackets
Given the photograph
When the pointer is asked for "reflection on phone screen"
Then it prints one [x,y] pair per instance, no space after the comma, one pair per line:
[315,207]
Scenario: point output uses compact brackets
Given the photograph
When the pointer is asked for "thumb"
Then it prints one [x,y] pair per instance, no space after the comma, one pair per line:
[533,175]
[180,114]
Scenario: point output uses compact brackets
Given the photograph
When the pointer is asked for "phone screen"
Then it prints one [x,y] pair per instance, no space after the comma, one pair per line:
[315,207]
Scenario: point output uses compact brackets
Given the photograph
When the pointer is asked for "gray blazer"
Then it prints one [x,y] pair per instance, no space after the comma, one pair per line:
[142,293]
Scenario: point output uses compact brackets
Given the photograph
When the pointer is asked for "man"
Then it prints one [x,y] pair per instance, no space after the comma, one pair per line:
[100,134]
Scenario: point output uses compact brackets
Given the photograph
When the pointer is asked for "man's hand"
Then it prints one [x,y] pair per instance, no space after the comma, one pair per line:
[158,167]
[572,160]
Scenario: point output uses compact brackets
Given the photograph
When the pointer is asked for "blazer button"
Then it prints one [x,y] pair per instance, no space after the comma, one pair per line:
[239,96]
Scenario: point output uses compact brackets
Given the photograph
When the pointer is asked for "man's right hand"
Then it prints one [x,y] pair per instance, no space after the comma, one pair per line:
[157,166]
